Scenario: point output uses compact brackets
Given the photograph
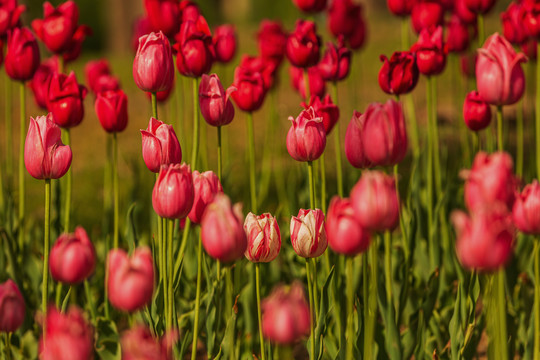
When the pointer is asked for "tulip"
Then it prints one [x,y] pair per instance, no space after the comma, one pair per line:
[163,15]
[22,57]
[430,52]
[399,75]
[65,100]
[45,156]
[160,145]
[216,107]
[194,48]
[479,6]
[325,109]
[138,343]
[111,110]
[426,14]
[485,239]
[317,85]
[302,48]
[378,137]
[271,40]
[57,26]
[73,257]
[266,67]
[141,27]
[222,234]
[499,77]
[310,6]
[490,181]
[476,112]
[308,233]
[466,15]
[345,18]
[512,23]
[205,187]
[107,83]
[10,14]
[95,69]
[335,63]
[68,336]
[173,193]
[530,18]
[130,280]
[224,41]
[74,47]
[153,68]
[41,81]
[526,210]
[375,201]
[457,37]
[285,315]
[306,138]
[12,308]
[263,237]
[250,94]
[530,49]
[400,7]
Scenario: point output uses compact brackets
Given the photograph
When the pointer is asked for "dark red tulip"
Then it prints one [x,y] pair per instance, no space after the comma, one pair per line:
[317,85]
[512,23]
[266,67]
[42,79]
[12,307]
[336,62]
[194,48]
[93,70]
[399,75]
[111,110]
[466,15]
[479,6]
[271,40]
[189,10]
[530,48]
[224,41]
[216,107]
[306,138]
[326,109]
[66,100]
[58,25]
[141,27]
[476,112]
[346,18]
[22,57]
[161,96]
[430,52]
[74,48]
[250,92]
[303,44]
[205,187]
[425,14]
[10,14]
[531,18]
[153,68]
[163,15]
[310,6]
[400,7]
[458,37]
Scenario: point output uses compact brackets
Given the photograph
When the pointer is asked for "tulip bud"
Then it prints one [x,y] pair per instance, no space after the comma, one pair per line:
[272,39]
[138,343]
[324,109]
[194,49]
[266,67]
[466,15]
[250,94]
[345,18]
[130,280]
[65,100]
[476,112]
[93,70]
[41,81]
[285,314]
[308,234]
[303,44]
[45,156]
[111,110]
[223,236]
[430,52]
[205,187]
[479,6]
[22,57]
[399,75]
[457,36]
[160,145]
[163,15]
[189,10]
[531,18]
[336,62]
[375,201]
[224,42]
[499,77]
[263,237]
[216,107]
[317,85]
[153,68]
[526,210]
[426,14]
[107,83]
[400,7]
[12,308]
[172,197]
[74,47]
[57,26]
[345,234]
[512,23]
[310,6]
[10,16]
[306,138]
[73,257]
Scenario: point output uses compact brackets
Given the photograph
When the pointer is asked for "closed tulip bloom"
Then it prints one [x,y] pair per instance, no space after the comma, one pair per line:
[326,109]
[466,15]
[526,210]
[490,181]
[512,23]
[22,57]
[250,92]
[65,101]
[263,237]
[10,14]
[285,314]
[345,234]
[42,79]
[153,68]
[194,49]
[375,201]
[74,47]
[303,45]
[163,15]
[216,106]
[12,308]
[58,25]
[399,74]
[308,233]
[107,83]
[266,67]
[335,63]
[111,110]
[173,192]
[400,7]
[499,77]
[346,18]
[224,41]
[457,36]
[310,6]
[271,40]
[317,86]
[485,239]
[73,257]
[426,14]
[205,187]
[479,6]
[68,336]
[306,138]
[160,145]
[531,18]
[95,69]
[430,51]
[138,344]
[45,156]
[130,278]
[476,112]
[223,235]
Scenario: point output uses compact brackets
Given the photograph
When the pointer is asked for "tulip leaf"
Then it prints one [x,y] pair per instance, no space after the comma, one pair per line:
[131,230]
[323,314]
[108,341]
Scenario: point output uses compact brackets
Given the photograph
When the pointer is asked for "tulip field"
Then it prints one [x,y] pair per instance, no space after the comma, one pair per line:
[348,179]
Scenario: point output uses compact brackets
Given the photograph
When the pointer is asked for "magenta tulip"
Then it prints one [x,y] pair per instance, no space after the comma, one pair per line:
[160,145]
[73,257]
[306,138]
[526,210]
[12,307]
[153,68]
[205,187]
[216,106]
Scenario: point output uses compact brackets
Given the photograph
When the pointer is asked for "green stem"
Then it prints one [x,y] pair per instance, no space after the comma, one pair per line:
[311,185]
[500,144]
[90,301]
[337,145]
[251,154]
[311,315]
[435,132]
[163,256]
[315,292]
[370,293]
[481,30]
[22,133]
[58,295]
[501,300]
[47,235]
[350,309]
[7,348]
[180,257]
[197,301]
[8,113]
[115,189]
[388,266]
[536,299]
[306,85]
[154,106]
[170,310]
[519,140]
[219,153]
[69,182]
[195,147]
[429,177]
[323,184]
[405,33]
[537,112]
[259,316]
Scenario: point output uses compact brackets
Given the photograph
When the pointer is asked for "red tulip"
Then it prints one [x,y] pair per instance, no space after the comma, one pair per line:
[499,77]
[73,257]
[130,280]
[399,75]
[138,344]
[310,6]
[426,14]
[222,233]
[308,233]
[95,69]
[375,201]
[317,86]
[306,138]
[163,15]
[457,36]
[400,7]
[346,18]
[153,68]
[266,67]
[22,57]
[479,6]
[526,210]
[68,336]
[345,234]
[466,15]
[263,237]
[531,18]
[45,156]
[513,27]
[12,307]
[173,193]
[335,63]
[194,48]
[224,41]
[272,39]
[303,44]
[42,79]
[58,25]
[111,110]
[189,10]
[216,107]
[74,47]
[430,52]
[250,94]
[476,112]
[205,187]
[66,100]
[325,109]
[160,145]
[141,27]
[10,14]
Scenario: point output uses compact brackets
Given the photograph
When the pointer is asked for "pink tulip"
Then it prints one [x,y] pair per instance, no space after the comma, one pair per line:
[172,196]
[308,234]
[205,185]
[153,68]
[215,103]
[526,210]
[306,138]
[139,344]
[12,307]
[73,257]
[263,237]
[160,145]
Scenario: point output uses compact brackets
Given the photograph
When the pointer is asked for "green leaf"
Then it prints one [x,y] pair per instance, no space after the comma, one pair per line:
[323,314]
[108,341]
[131,230]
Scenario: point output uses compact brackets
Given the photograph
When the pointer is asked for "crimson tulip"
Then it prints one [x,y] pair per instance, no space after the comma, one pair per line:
[476,112]
[58,25]
[216,107]
[42,79]
[153,68]
[205,187]
[271,40]
[73,257]
[399,75]
[426,14]
[302,48]
[194,49]
[65,100]
[224,41]
[326,109]
[111,110]
[346,18]
[10,14]
[163,15]
[250,89]
[317,86]
[336,62]
[22,57]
